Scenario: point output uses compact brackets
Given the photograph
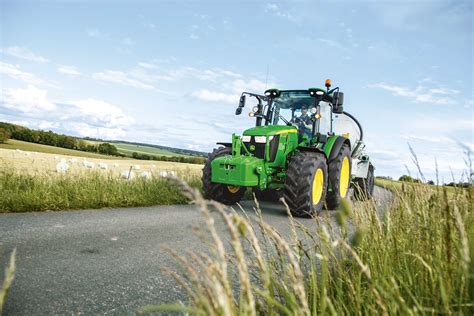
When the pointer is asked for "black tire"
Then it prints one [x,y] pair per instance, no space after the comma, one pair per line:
[219,192]
[300,182]
[339,190]
[364,187]
[269,195]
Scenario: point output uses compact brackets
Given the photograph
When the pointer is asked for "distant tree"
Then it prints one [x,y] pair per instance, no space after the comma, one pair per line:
[107,149]
[4,135]
[431,182]
[406,178]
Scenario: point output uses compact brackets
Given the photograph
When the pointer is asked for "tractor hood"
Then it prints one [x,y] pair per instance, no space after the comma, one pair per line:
[270,130]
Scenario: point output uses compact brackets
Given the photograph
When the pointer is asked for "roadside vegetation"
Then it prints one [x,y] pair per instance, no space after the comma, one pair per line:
[412,259]
[20,192]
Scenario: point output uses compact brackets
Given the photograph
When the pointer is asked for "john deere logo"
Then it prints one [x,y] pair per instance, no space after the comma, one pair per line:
[252,147]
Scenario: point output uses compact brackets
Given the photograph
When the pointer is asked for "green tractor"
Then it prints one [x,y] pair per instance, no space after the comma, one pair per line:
[304,148]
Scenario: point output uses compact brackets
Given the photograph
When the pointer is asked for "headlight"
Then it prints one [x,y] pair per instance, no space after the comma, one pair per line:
[319,92]
[313,110]
[246,139]
[260,139]
[255,109]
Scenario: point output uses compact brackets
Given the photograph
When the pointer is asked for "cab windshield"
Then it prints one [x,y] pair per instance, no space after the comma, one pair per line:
[295,106]
[290,105]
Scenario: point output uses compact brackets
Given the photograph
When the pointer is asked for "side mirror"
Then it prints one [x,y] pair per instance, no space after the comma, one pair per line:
[338,102]
[238,111]
[242,101]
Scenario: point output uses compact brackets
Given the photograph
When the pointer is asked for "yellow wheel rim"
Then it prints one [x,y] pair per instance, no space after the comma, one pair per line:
[233,189]
[318,183]
[344,177]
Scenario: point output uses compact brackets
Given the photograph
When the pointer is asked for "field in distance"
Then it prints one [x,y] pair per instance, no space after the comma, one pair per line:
[41,159]
[33,147]
[129,149]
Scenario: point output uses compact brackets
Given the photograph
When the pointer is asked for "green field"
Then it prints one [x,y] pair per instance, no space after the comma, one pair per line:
[128,149]
[33,147]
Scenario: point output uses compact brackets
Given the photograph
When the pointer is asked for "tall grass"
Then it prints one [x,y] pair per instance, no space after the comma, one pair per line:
[7,280]
[26,193]
[412,260]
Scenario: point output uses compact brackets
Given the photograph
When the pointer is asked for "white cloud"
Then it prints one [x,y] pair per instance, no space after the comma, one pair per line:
[86,130]
[29,100]
[420,94]
[148,65]
[84,117]
[95,33]
[213,96]
[101,113]
[45,125]
[121,78]
[68,70]
[237,86]
[15,72]
[24,53]
[193,36]
[275,10]
[128,41]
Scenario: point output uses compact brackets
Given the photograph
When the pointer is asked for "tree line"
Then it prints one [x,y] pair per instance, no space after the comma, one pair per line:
[8,130]
[54,139]
[194,160]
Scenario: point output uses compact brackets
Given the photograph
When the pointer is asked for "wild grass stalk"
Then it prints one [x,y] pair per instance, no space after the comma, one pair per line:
[8,279]
[414,259]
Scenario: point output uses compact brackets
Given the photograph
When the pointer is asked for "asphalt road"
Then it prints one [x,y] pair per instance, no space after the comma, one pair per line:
[106,261]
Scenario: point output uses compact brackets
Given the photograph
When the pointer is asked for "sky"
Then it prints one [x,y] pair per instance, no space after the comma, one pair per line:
[171,72]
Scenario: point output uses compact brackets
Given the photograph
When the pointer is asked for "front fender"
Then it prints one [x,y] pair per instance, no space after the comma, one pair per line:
[333,146]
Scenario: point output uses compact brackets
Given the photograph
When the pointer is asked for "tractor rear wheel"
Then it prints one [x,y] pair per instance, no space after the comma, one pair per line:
[306,183]
[269,195]
[339,177]
[364,187]
[223,193]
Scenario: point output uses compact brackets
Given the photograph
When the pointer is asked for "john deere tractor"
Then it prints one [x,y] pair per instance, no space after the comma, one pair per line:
[304,148]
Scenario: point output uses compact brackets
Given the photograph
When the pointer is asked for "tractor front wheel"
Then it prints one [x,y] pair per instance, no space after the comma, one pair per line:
[306,183]
[339,177]
[223,193]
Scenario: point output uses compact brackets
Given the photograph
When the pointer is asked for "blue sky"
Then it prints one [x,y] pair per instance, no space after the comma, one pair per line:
[170,72]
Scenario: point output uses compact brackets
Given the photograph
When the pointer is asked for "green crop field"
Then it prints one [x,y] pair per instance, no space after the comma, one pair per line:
[128,149]
[33,147]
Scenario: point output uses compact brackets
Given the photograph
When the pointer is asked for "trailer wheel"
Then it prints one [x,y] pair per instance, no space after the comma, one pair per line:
[339,178]
[364,187]
[306,183]
[223,193]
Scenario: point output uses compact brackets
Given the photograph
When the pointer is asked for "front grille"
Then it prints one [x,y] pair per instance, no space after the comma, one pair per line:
[258,149]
